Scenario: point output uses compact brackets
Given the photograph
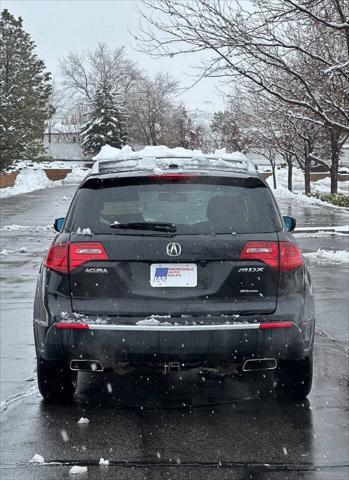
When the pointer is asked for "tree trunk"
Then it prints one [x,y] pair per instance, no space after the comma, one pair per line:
[335,135]
[307,185]
[289,175]
[272,163]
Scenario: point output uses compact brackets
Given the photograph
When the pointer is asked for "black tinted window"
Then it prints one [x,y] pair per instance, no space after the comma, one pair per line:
[204,205]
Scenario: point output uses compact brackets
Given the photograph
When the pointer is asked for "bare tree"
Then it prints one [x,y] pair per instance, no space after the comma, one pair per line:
[84,71]
[295,51]
[275,37]
[150,109]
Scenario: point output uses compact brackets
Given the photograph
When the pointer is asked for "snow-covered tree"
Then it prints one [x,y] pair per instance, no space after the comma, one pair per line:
[294,51]
[227,132]
[151,108]
[105,124]
[25,88]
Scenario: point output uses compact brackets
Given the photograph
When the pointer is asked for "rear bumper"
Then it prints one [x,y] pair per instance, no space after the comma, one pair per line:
[200,344]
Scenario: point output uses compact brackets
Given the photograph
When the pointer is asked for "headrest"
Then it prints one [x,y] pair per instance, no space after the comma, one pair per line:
[227,212]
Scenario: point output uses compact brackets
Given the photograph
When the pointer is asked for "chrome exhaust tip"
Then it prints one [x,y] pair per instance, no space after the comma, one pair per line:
[86,366]
[257,364]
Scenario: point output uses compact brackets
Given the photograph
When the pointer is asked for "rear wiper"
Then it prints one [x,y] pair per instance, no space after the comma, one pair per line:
[157,226]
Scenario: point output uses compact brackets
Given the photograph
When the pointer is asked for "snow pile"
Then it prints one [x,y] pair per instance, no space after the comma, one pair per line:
[84,231]
[76,470]
[111,153]
[27,180]
[150,322]
[83,421]
[152,157]
[324,186]
[340,230]
[4,252]
[282,193]
[75,176]
[33,177]
[328,256]
[13,227]
[37,459]
[282,177]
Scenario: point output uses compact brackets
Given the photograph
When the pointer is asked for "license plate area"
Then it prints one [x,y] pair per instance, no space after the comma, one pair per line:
[173,275]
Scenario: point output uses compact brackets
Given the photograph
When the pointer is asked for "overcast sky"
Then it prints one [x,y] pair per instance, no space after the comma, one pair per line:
[58,26]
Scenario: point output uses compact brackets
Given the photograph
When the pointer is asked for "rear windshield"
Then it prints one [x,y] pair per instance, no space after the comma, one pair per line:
[199,205]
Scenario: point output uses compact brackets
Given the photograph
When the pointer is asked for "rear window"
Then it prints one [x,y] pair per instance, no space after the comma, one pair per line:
[199,205]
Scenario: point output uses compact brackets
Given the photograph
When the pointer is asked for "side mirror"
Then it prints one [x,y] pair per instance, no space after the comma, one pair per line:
[58,225]
[289,222]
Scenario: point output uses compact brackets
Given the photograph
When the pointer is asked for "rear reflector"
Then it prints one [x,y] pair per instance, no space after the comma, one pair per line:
[72,326]
[65,257]
[263,326]
[174,328]
[284,255]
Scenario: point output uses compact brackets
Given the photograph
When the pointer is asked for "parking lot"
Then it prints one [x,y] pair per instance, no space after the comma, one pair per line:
[175,426]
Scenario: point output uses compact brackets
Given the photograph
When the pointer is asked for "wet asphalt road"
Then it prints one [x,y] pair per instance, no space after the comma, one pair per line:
[155,427]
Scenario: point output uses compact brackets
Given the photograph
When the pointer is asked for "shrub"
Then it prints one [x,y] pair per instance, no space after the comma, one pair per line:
[339,199]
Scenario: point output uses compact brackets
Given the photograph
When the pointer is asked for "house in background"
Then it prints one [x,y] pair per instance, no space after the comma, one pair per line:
[62,141]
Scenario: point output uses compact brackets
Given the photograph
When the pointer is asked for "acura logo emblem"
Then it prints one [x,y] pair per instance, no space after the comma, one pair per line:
[173,249]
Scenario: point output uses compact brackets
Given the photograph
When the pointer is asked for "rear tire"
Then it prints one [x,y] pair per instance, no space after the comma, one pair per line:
[56,381]
[294,378]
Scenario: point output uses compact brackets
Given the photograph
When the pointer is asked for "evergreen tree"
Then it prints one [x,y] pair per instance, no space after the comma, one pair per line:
[106,121]
[24,91]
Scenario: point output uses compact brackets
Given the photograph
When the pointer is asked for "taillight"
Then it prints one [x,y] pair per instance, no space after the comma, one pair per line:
[80,253]
[266,252]
[283,255]
[290,257]
[57,258]
[65,257]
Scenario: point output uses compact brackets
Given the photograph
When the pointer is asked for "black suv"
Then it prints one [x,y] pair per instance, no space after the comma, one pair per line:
[174,264]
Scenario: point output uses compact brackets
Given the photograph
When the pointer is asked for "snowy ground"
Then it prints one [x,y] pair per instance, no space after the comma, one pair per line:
[327,257]
[33,177]
[170,426]
[321,186]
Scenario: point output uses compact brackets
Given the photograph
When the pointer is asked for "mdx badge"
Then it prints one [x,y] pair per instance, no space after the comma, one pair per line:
[251,269]
[173,249]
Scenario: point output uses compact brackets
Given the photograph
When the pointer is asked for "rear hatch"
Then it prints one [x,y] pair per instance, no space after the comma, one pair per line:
[172,245]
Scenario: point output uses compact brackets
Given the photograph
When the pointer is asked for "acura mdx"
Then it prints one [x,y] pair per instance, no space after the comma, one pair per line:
[174,264]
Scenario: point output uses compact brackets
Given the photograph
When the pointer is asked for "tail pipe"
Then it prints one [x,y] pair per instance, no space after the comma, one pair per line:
[86,365]
[256,364]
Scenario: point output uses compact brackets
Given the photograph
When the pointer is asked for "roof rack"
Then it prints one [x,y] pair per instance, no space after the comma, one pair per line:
[162,163]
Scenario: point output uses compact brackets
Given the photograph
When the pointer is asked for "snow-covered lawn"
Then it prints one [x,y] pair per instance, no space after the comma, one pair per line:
[321,186]
[282,193]
[33,177]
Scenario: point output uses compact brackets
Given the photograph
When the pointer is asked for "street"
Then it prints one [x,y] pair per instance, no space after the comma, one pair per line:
[175,426]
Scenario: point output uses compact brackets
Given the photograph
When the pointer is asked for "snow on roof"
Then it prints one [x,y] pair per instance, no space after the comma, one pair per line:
[160,156]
